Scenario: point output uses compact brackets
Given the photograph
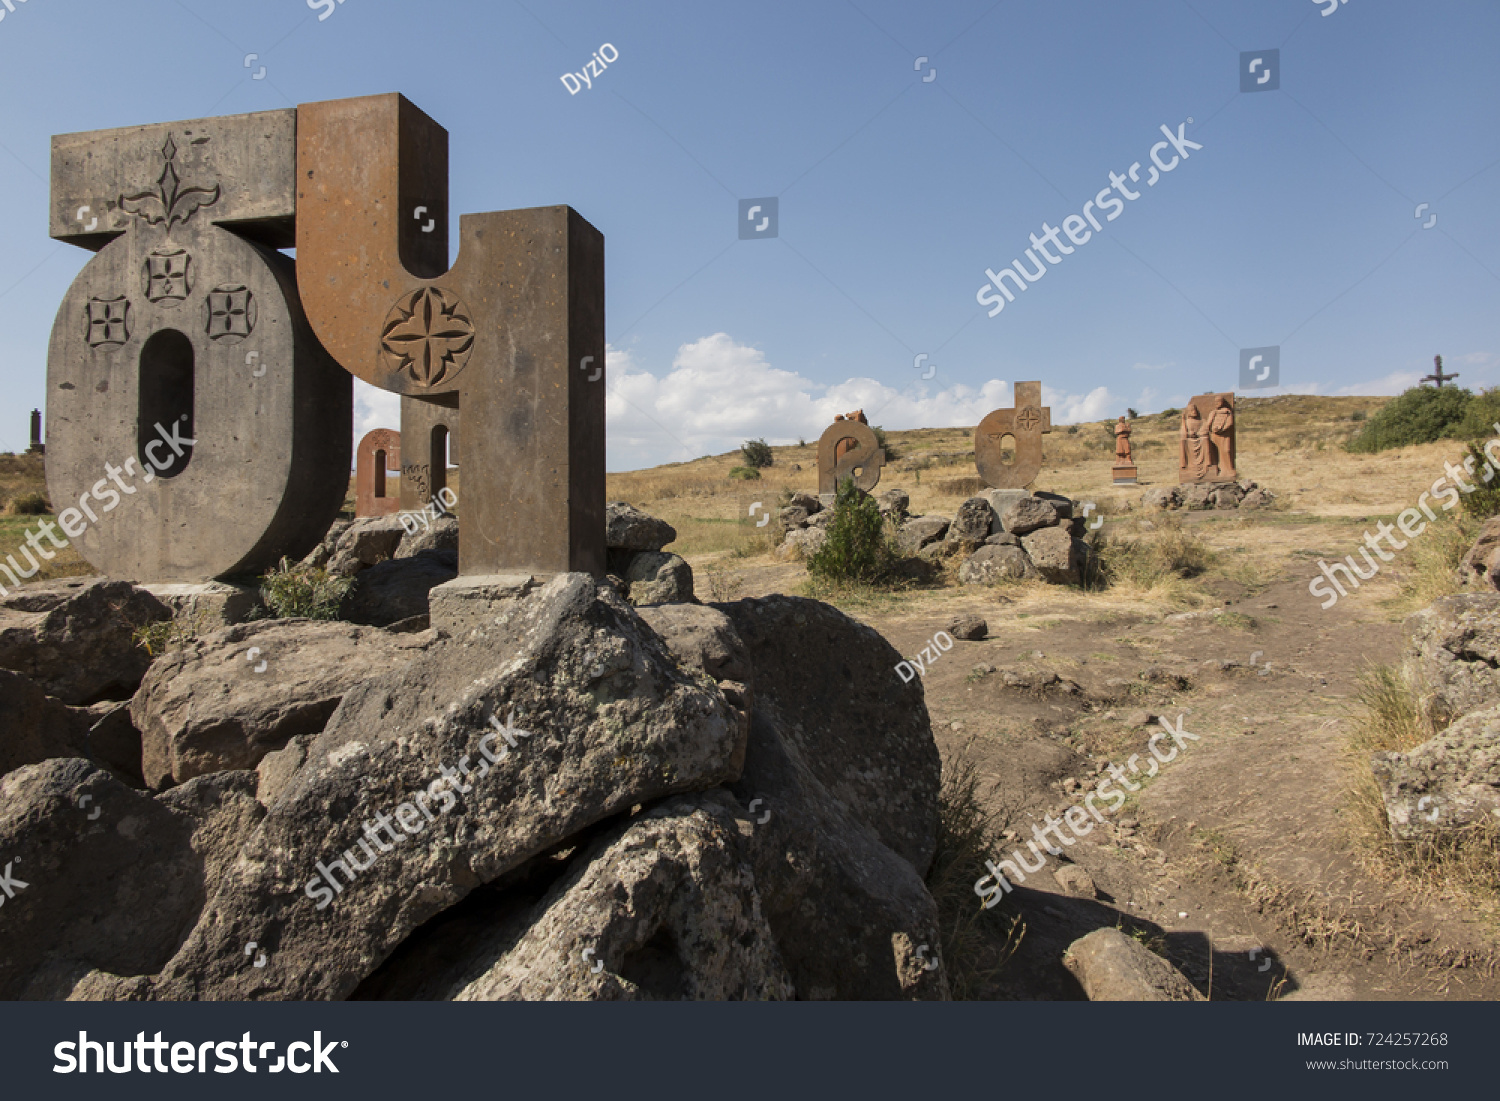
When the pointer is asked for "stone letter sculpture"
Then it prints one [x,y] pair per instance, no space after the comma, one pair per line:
[1124,468]
[512,337]
[1026,423]
[379,451]
[1207,444]
[849,449]
[185,387]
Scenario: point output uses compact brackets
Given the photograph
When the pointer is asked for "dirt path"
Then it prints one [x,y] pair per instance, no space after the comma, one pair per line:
[1234,861]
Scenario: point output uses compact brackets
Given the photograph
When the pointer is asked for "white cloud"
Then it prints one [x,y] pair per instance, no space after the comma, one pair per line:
[720,393]
[1393,383]
[374,408]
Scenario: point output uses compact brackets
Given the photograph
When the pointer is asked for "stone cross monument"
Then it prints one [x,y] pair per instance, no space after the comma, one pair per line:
[1026,424]
[1437,378]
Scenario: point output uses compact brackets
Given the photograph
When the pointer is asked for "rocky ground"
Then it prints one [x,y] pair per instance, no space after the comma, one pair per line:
[1239,851]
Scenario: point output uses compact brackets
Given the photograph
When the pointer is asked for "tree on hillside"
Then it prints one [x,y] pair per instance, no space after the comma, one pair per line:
[757,454]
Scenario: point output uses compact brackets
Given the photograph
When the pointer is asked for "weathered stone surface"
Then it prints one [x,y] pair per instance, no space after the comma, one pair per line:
[894,503]
[208,604]
[34,727]
[465,603]
[971,523]
[846,824]
[668,904]
[1228,495]
[919,531]
[113,741]
[1196,496]
[1075,881]
[970,628]
[1453,654]
[74,639]
[810,503]
[802,543]
[365,543]
[991,563]
[602,720]
[1115,968]
[1478,567]
[434,535]
[793,517]
[399,589]
[1162,497]
[1029,514]
[658,578]
[628,528]
[1444,784]
[1063,505]
[111,878]
[1258,498]
[318,557]
[1003,539]
[1000,500]
[206,708]
[1057,555]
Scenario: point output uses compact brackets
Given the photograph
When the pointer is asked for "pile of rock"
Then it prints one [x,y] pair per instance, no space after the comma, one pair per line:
[1452,781]
[805,521]
[1004,533]
[642,570]
[1223,495]
[672,788]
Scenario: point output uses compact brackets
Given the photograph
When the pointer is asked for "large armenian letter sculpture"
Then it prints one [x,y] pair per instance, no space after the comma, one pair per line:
[185,388]
[507,337]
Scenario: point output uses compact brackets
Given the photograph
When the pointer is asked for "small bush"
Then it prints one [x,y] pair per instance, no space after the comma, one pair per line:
[1130,414]
[1170,414]
[164,635]
[745,473]
[291,592]
[1358,415]
[1481,416]
[885,444]
[1484,502]
[757,454]
[31,504]
[858,547]
[1420,415]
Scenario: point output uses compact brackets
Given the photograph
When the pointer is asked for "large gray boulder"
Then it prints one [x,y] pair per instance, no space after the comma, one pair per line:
[1058,555]
[226,700]
[432,535]
[841,782]
[628,528]
[1027,514]
[416,772]
[666,907]
[364,543]
[108,878]
[34,727]
[1445,784]
[992,563]
[655,577]
[920,531]
[972,522]
[1453,654]
[397,590]
[75,639]
[1112,967]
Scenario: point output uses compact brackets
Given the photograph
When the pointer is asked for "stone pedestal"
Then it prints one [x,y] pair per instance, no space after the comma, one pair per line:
[1125,475]
[468,602]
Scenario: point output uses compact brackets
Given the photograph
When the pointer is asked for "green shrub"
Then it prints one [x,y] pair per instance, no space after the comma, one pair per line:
[162,635]
[1484,502]
[858,546]
[757,454]
[1358,415]
[885,444]
[1481,416]
[1170,414]
[745,473]
[31,504]
[1420,415]
[291,592]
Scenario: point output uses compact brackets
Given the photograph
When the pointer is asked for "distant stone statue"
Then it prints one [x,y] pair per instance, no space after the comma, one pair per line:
[1124,469]
[1207,443]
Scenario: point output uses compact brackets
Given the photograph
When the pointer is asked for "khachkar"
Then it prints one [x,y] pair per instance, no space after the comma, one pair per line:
[1207,440]
[1025,424]
[506,337]
[1124,469]
[184,346]
[849,449]
[184,384]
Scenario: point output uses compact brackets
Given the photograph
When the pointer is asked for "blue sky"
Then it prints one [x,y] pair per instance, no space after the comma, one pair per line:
[1294,226]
